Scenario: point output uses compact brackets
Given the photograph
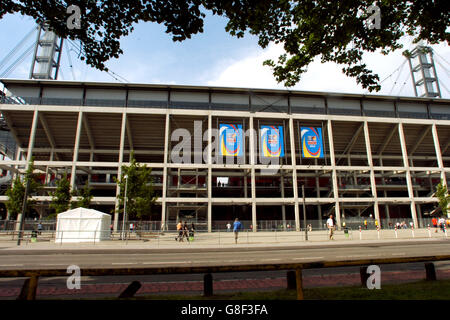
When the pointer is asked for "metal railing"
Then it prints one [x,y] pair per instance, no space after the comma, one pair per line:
[161,238]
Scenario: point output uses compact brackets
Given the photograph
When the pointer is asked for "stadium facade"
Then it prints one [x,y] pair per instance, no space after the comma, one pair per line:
[220,153]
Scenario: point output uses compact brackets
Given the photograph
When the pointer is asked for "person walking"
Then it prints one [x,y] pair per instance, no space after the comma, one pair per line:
[442,224]
[237,225]
[186,231]
[180,232]
[434,222]
[228,227]
[330,226]
[365,224]
[191,232]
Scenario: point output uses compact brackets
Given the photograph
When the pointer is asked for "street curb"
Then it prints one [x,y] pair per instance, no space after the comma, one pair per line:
[129,249]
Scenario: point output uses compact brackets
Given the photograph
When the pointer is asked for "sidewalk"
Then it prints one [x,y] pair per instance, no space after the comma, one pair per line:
[225,241]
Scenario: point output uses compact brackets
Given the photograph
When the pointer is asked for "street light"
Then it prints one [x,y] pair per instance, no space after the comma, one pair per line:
[125,207]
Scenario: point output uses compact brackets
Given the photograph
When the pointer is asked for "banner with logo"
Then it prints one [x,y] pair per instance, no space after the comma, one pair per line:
[231,140]
[272,141]
[312,143]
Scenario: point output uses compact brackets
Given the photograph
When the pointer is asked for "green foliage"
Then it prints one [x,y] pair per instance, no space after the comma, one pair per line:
[443,197]
[16,193]
[140,194]
[84,197]
[334,31]
[61,197]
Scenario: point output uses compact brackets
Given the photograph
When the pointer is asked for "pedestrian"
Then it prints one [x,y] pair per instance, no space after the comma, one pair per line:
[131,227]
[330,225]
[365,224]
[111,228]
[185,231]
[191,232]
[237,225]
[442,224]
[39,228]
[228,227]
[180,232]
[434,222]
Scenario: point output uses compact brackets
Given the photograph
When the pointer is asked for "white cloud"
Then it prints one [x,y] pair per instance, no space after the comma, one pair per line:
[328,77]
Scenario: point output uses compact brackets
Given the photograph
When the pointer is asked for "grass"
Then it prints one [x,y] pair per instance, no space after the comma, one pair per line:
[422,290]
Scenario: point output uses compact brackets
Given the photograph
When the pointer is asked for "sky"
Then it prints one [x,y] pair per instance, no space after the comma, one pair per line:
[215,58]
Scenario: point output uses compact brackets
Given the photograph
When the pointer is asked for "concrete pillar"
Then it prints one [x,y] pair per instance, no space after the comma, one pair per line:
[75,150]
[164,179]
[373,186]
[334,177]
[294,173]
[408,175]
[283,207]
[253,180]
[29,154]
[119,170]
[437,148]
[210,173]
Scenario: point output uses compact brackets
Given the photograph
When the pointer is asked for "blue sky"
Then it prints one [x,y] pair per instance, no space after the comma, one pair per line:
[216,58]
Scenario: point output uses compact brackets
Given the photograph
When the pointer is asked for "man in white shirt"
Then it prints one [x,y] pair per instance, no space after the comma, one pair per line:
[330,226]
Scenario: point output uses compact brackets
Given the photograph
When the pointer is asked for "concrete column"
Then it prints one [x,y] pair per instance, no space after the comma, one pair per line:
[437,147]
[253,180]
[210,172]
[164,179]
[319,207]
[386,206]
[294,173]
[75,150]
[408,175]
[283,207]
[119,170]
[29,154]
[373,185]
[337,211]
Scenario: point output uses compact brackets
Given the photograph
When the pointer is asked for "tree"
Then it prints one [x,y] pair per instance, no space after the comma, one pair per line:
[443,197]
[61,197]
[16,192]
[84,197]
[335,31]
[140,194]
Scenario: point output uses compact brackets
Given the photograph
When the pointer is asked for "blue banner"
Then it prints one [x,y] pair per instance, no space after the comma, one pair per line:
[272,141]
[231,140]
[312,142]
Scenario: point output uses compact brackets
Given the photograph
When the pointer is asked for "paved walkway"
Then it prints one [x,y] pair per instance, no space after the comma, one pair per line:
[225,240]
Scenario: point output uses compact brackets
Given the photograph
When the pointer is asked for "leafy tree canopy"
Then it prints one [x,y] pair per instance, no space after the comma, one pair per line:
[335,31]
[84,197]
[62,196]
[139,190]
[443,198]
[16,192]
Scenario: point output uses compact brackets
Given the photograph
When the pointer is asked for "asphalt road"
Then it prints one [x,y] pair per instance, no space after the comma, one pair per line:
[216,257]
[192,257]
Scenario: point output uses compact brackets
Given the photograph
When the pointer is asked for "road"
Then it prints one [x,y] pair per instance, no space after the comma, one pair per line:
[135,258]
[217,257]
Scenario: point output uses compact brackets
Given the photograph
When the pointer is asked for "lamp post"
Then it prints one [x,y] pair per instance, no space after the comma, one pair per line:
[125,207]
[304,212]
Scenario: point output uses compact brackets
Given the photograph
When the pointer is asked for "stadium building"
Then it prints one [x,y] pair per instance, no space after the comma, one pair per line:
[268,157]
